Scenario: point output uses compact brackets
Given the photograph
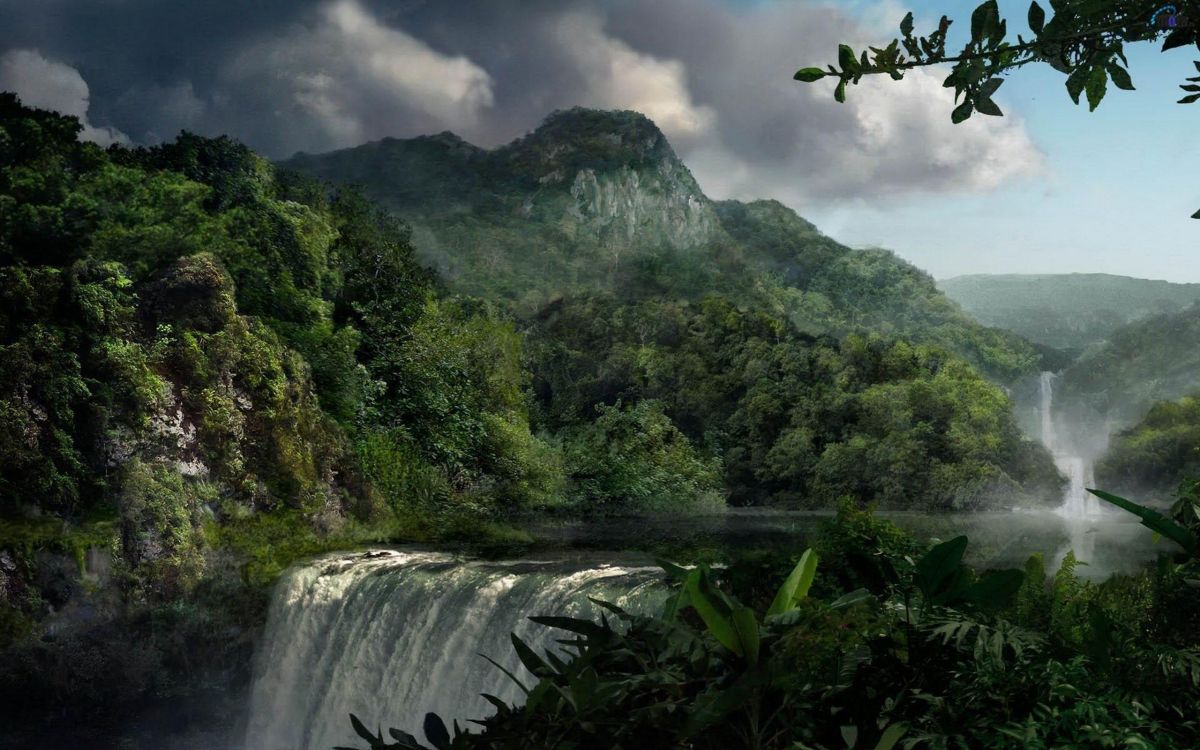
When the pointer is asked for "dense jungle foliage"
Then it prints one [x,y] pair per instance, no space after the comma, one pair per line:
[598,201]
[207,370]
[796,419]
[872,641]
[1156,455]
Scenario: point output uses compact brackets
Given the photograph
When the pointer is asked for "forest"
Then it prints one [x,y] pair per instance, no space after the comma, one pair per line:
[424,445]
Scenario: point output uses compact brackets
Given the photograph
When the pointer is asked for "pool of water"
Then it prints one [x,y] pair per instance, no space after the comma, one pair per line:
[1107,543]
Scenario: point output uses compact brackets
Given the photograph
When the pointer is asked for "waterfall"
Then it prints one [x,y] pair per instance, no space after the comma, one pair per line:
[1046,394]
[1077,503]
[390,635]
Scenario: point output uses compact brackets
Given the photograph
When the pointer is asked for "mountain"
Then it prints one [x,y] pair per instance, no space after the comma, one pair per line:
[599,201]
[1116,383]
[1065,311]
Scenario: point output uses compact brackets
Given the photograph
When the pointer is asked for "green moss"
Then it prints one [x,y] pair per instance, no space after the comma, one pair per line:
[98,529]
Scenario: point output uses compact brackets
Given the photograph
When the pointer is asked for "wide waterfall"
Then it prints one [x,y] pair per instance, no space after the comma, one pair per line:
[390,635]
[1078,503]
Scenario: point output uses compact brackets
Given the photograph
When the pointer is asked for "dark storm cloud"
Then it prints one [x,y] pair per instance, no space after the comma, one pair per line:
[321,74]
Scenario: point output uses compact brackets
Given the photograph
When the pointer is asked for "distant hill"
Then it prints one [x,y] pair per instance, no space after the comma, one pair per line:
[1065,311]
[1115,383]
[599,202]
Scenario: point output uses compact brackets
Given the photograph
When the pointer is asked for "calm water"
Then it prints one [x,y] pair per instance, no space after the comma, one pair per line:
[1108,542]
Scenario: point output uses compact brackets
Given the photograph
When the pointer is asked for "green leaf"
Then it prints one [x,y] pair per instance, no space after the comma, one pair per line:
[435,732]
[990,87]
[571,624]
[1097,85]
[1188,100]
[363,732]
[961,112]
[1076,81]
[405,741]
[713,706]
[892,734]
[808,75]
[1180,37]
[849,600]
[718,625]
[746,627]
[506,672]
[1154,520]
[1120,77]
[996,589]
[677,572]
[1037,17]
[839,94]
[985,106]
[847,59]
[797,584]
[984,20]
[906,26]
[939,566]
[1196,215]
[674,605]
[529,657]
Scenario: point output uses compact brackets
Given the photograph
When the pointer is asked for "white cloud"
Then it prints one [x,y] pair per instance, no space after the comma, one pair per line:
[357,78]
[619,77]
[48,84]
[775,138]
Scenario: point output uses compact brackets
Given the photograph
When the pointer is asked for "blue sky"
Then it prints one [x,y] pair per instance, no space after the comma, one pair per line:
[1116,196]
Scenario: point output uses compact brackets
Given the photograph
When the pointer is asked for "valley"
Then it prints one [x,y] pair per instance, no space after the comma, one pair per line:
[303,431]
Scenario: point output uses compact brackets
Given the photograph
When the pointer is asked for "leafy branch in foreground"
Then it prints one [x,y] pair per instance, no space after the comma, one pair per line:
[1160,524]
[1084,39]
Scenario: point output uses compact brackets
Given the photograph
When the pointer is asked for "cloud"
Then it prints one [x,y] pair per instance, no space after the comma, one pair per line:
[618,77]
[345,77]
[778,138]
[312,75]
[49,84]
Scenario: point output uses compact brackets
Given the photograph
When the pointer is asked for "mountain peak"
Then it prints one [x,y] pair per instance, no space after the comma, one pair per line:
[569,140]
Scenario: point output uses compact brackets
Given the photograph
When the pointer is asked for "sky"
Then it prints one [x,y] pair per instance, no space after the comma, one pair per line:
[1048,188]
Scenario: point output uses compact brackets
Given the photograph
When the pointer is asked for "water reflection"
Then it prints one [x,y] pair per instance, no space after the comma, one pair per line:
[1105,543]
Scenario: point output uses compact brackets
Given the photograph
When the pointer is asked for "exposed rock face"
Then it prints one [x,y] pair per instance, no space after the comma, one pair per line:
[170,436]
[632,208]
[588,185]
[8,578]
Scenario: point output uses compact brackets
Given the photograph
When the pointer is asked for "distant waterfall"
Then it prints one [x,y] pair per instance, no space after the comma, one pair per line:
[1077,503]
[1046,394]
[391,635]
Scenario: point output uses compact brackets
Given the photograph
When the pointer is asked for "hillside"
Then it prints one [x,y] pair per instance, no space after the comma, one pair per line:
[599,201]
[1152,458]
[1065,311]
[1114,384]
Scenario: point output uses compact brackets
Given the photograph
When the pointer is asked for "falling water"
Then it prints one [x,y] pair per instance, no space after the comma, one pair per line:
[1077,503]
[391,635]
[1046,394]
